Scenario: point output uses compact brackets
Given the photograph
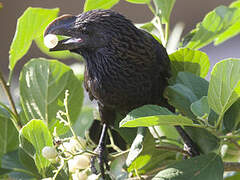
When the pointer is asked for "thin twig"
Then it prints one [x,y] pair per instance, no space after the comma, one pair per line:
[235,143]
[231,166]
[5,87]
[175,149]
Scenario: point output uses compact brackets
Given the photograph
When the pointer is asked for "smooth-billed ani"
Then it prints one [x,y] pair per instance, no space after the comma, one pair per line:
[125,66]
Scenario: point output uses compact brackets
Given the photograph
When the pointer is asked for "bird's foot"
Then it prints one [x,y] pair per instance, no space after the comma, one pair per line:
[192,149]
[102,160]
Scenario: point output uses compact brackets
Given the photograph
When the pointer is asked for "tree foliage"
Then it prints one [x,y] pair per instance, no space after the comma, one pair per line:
[52,113]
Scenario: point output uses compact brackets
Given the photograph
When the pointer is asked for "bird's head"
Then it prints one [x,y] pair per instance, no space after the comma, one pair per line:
[91,30]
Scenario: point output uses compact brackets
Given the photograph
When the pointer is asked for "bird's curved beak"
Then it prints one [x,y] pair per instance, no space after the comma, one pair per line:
[65,26]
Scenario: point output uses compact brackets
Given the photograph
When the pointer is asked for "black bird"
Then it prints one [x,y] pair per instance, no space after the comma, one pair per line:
[125,66]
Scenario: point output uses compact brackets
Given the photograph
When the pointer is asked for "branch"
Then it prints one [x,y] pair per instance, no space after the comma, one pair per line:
[231,166]
[10,99]
[175,149]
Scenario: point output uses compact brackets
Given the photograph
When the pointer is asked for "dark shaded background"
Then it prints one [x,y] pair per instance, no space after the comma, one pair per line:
[189,12]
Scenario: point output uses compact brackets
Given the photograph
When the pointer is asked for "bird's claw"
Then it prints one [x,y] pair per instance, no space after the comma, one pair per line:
[192,150]
[103,161]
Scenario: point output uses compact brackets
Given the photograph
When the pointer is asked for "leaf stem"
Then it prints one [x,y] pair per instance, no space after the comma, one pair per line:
[113,145]
[219,121]
[166,32]
[16,120]
[157,23]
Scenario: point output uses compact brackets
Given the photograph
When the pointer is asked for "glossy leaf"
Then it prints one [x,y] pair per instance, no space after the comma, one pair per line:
[99,4]
[207,167]
[224,86]
[8,133]
[222,22]
[42,88]
[29,26]
[139,1]
[152,115]
[36,132]
[200,107]
[193,61]
[164,9]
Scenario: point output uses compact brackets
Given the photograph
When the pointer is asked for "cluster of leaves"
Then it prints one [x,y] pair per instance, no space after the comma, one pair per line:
[209,111]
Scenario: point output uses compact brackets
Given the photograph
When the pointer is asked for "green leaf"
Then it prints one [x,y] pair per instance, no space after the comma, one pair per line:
[224,86]
[11,161]
[37,133]
[1,5]
[194,61]
[149,26]
[222,22]
[99,4]
[136,147]
[8,133]
[231,118]
[207,167]
[164,8]
[139,1]
[187,89]
[141,151]
[26,160]
[233,176]
[4,171]
[152,115]
[232,30]
[42,88]
[200,107]
[29,26]
[181,97]
[84,121]
[196,84]
[205,140]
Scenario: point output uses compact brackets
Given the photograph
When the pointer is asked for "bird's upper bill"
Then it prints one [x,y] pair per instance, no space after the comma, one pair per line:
[64,26]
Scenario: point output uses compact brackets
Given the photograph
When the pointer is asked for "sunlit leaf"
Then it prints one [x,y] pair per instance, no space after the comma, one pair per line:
[42,88]
[194,61]
[139,1]
[164,8]
[29,26]
[218,25]
[232,30]
[224,86]
[150,115]
[99,4]
[36,132]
